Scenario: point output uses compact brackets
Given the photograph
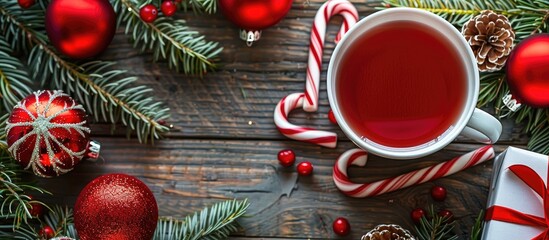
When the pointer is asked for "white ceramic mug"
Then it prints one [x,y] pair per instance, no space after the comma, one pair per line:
[472,122]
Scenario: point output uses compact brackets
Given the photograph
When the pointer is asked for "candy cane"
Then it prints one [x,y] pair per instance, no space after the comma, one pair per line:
[327,10]
[297,100]
[359,157]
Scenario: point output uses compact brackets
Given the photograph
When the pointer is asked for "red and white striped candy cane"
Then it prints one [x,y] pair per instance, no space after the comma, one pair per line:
[316,46]
[359,157]
[309,99]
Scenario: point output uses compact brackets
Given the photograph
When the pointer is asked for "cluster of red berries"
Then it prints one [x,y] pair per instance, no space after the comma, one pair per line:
[149,12]
[438,193]
[286,158]
[37,210]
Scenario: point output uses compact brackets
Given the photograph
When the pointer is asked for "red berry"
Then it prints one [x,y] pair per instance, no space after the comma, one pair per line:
[168,8]
[305,168]
[331,117]
[447,214]
[46,232]
[36,209]
[178,1]
[286,157]
[26,3]
[417,214]
[438,193]
[148,13]
[341,226]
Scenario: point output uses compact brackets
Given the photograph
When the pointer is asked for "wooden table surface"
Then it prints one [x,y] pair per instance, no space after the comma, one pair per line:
[224,142]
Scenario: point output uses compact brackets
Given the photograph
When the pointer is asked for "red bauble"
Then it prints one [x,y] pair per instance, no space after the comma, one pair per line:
[47,131]
[528,71]
[305,168]
[417,214]
[286,157]
[332,117]
[46,232]
[115,206]
[26,3]
[254,15]
[438,193]
[80,28]
[148,13]
[341,226]
[168,8]
[447,214]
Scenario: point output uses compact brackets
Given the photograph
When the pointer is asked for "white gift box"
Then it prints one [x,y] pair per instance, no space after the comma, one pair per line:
[508,190]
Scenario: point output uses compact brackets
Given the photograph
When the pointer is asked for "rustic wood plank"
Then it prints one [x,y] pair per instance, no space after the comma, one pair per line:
[250,81]
[186,175]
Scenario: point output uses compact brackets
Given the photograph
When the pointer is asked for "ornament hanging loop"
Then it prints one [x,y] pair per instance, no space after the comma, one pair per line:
[93,150]
[510,102]
[250,36]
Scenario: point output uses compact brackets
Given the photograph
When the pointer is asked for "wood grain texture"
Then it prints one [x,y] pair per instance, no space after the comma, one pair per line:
[224,142]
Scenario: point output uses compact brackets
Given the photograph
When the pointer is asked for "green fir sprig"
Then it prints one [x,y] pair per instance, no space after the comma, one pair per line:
[435,227]
[527,17]
[14,80]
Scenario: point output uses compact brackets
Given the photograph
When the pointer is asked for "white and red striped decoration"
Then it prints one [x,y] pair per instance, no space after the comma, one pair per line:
[316,46]
[309,99]
[359,157]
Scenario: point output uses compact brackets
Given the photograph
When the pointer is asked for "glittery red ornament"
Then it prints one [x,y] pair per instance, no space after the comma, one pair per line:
[341,226]
[46,232]
[305,168]
[47,131]
[115,206]
[417,214]
[254,15]
[168,8]
[26,3]
[438,193]
[148,13]
[286,157]
[80,28]
[528,71]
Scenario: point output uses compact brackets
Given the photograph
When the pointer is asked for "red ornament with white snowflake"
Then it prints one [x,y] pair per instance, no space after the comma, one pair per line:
[254,15]
[48,132]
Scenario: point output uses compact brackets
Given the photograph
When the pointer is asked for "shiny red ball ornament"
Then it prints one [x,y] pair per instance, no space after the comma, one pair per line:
[332,117]
[148,13]
[438,193]
[305,168]
[26,3]
[417,214]
[341,226]
[115,206]
[286,157]
[48,132]
[80,29]
[254,15]
[46,232]
[447,214]
[527,71]
[168,8]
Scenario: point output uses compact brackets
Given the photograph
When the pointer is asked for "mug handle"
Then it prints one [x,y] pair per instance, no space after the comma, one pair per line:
[483,127]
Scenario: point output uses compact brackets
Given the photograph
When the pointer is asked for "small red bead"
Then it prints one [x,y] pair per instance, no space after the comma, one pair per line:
[148,13]
[331,117]
[168,8]
[286,157]
[417,214]
[447,214]
[26,3]
[36,209]
[305,168]
[341,226]
[46,232]
[438,193]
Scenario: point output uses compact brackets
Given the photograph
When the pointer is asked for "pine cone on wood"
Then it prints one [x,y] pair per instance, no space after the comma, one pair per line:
[491,37]
[388,232]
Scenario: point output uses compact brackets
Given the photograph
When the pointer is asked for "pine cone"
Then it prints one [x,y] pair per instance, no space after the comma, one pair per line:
[388,232]
[491,36]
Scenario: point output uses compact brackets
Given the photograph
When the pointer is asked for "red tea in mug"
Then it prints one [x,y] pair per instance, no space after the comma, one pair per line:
[401,84]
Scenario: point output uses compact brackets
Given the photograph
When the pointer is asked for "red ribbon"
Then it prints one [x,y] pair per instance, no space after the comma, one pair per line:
[535,182]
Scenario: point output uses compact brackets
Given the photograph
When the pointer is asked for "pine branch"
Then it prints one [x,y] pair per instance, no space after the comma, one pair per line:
[104,92]
[14,81]
[215,222]
[476,230]
[62,221]
[184,49]
[436,228]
